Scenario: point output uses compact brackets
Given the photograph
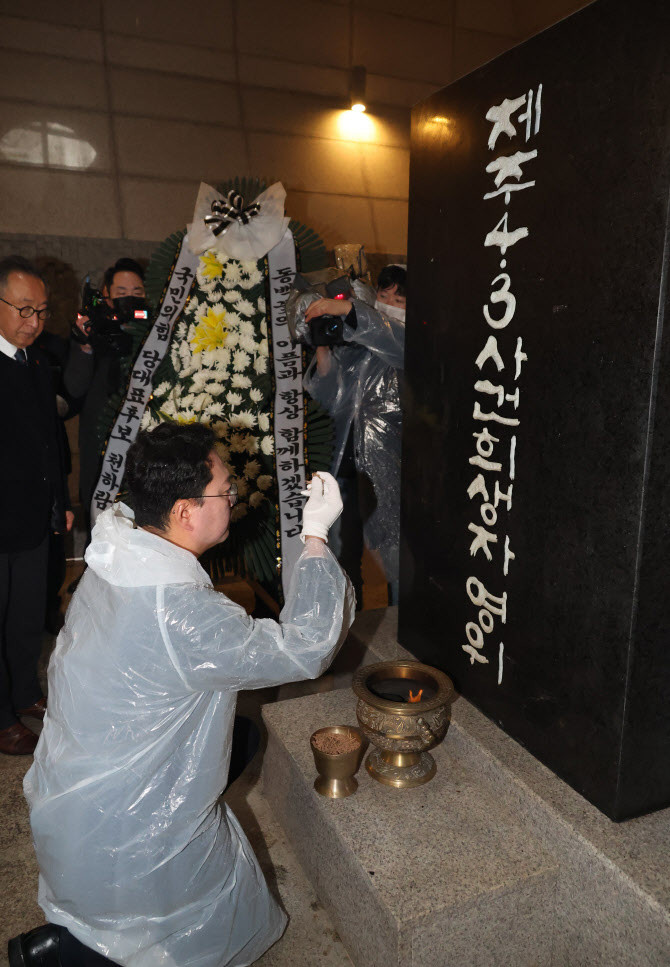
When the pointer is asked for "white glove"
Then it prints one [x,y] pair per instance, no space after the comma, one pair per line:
[323,507]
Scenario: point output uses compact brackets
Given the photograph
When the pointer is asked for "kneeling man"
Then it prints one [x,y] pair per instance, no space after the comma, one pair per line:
[139,860]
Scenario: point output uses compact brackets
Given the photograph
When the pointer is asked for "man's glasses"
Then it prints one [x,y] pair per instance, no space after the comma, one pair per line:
[230,494]
[27,312]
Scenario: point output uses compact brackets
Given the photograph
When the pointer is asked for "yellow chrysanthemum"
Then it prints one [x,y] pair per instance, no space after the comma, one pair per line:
[210,266]
[211,332]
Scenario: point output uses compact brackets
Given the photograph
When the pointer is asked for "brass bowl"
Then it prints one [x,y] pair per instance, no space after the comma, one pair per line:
[336,770]
[402,732]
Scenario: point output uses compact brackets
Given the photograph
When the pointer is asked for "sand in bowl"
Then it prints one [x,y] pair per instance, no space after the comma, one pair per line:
[336,743]
[337,751]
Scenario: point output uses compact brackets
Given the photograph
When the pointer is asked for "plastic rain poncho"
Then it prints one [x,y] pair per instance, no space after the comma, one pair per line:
[138,858]
[362,388]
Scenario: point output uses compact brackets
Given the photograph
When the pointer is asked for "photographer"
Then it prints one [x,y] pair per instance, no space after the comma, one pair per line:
[357,382]
[93,371]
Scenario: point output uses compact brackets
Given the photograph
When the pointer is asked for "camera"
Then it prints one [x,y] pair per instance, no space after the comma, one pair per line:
[106,327]
[323,330]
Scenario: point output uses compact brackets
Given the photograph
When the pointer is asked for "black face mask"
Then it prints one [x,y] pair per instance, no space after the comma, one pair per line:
[131,308]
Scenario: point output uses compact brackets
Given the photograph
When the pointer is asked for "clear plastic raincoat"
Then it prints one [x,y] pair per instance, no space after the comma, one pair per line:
[362,388]
[138,858]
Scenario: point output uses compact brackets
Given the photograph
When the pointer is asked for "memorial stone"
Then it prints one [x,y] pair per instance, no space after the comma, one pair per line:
[535,557]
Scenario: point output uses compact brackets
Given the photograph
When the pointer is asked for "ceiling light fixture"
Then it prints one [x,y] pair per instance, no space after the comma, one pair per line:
[357,88]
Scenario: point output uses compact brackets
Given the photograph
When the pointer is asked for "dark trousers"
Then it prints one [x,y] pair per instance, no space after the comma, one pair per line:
[345,537]
[23,583]
[73,953]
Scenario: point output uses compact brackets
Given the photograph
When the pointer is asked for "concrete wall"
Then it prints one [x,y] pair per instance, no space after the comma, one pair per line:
[112,111]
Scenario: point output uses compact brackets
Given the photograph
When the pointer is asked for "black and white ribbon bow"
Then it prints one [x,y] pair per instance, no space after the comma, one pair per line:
[224,213]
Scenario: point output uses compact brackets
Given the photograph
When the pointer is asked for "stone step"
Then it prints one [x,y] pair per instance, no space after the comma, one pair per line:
[490,803]
[442,875]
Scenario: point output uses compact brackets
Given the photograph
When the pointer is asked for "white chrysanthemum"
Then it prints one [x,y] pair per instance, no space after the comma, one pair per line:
[239,511]
[214,384]
[261,304]
[201,402]
[241,360]
[249,276]
[232,295]
[186,415]
[242,487]
[267,445]
[232,274]
[237,443]
[251,469]
[200,380]
[147,420]
[264,482]
[247,328]
[162,389]
[256,499]
[169,408]
[234,399]
[249,344]
[260,364]
[264,327]
[215,409]
[216,295]
[263,347]
[244,419]
[245,307]
[256,396]
[263,422]
[220,358]
[176,361]
[233,339]
[180,331]
[240,381]
[233,320]
[222,429]
[187,400]
[251,443]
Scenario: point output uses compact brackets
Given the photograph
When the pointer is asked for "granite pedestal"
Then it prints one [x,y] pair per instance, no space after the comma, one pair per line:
[495,862]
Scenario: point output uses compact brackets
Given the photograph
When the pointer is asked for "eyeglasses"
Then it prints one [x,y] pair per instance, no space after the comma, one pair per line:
[27,312]
[230,494]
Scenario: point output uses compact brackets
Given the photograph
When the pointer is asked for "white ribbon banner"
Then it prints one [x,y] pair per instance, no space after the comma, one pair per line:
[289,407]
[151,354]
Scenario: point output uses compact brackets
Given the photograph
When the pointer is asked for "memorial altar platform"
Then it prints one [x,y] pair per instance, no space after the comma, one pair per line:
[494,862]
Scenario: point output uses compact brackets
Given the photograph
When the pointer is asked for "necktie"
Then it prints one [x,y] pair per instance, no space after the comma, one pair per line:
[20,357]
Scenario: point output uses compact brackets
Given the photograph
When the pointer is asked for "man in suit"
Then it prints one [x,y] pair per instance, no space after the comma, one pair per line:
[32,497]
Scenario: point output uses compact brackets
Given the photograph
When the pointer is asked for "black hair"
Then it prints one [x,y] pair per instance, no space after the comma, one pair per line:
[393,275]
[164,465]
[121,265]
[16,263]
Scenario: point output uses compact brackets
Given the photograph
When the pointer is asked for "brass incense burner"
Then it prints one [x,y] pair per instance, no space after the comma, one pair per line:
[403,710]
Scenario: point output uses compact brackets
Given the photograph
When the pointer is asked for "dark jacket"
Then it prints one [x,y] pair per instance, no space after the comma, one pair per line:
[32,477]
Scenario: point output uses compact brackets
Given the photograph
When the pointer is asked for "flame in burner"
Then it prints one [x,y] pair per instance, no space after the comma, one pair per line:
[417,697]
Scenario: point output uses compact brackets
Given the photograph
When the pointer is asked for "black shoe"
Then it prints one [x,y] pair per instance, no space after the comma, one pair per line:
[37,948]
